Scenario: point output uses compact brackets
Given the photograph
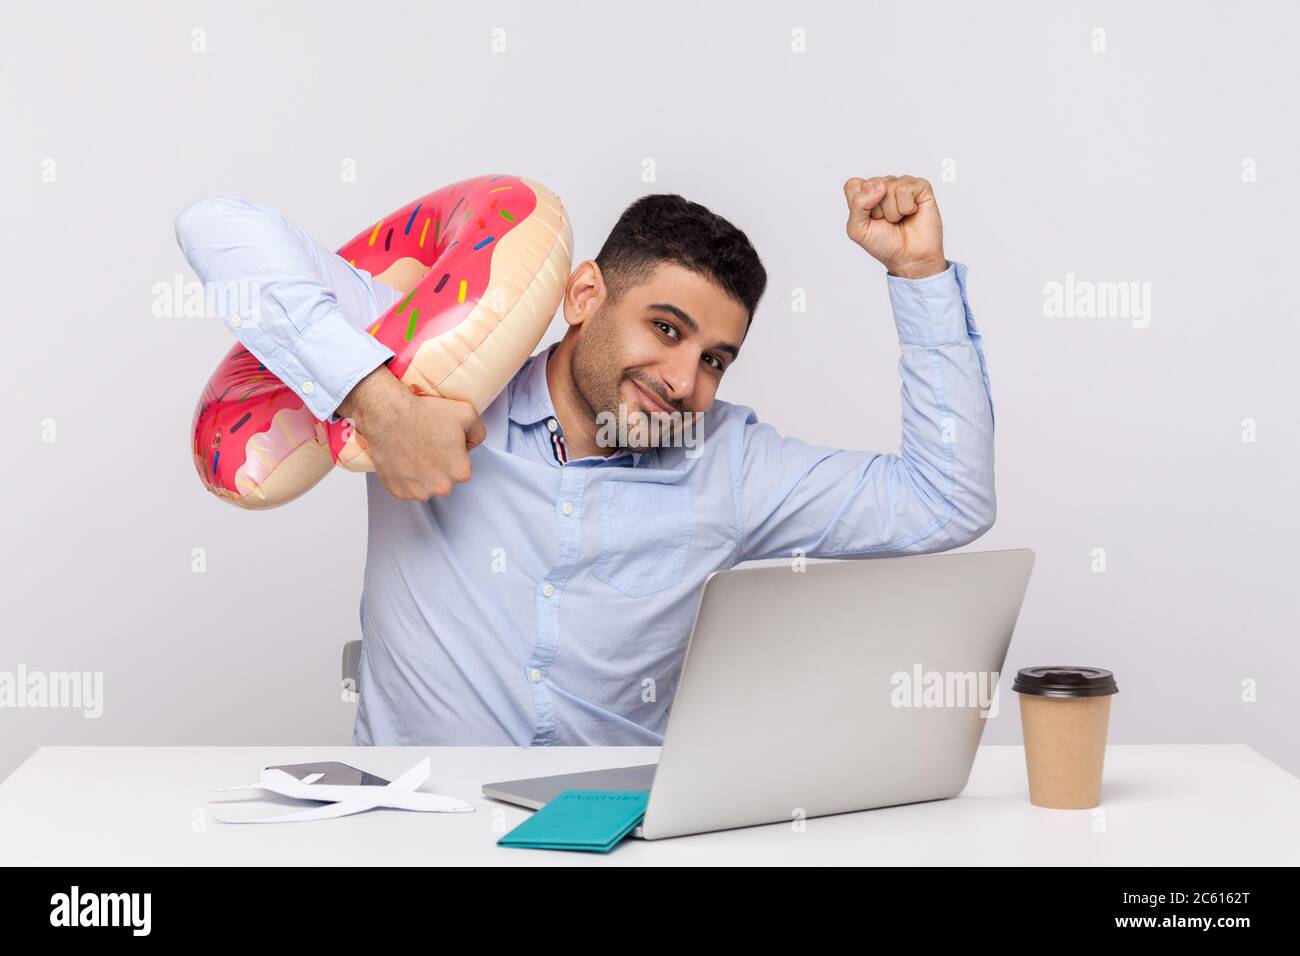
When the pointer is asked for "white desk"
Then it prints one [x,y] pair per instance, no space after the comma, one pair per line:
[1162,805]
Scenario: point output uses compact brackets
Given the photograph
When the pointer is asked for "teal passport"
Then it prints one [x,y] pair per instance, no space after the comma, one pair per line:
[593,820]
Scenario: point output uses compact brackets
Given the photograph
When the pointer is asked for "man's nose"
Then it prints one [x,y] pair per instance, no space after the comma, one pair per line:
[680,376]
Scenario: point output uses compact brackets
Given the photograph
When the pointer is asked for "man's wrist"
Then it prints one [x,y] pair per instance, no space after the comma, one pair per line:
[371,396]
[922,269]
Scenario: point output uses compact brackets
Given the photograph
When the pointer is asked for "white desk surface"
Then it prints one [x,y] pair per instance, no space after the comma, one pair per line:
[1161,805]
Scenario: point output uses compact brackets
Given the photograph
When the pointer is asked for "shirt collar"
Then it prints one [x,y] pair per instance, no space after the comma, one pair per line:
[530,400]
[530,397]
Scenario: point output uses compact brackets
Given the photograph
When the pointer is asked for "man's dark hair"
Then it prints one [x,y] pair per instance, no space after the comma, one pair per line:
[664,227]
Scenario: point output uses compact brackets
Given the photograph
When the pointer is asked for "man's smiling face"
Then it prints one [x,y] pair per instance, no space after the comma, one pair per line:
[662,348]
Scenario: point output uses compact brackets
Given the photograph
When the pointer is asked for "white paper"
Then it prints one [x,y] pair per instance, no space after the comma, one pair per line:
[402,794]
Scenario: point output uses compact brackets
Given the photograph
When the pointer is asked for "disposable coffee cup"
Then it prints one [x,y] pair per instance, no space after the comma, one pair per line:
[1064,712]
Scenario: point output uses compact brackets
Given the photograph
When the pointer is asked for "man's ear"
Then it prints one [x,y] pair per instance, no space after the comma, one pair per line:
[585,293]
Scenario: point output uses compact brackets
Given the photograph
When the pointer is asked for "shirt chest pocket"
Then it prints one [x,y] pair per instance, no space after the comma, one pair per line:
[645,536]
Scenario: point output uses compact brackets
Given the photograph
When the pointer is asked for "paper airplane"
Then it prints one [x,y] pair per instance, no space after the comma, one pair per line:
[402,794]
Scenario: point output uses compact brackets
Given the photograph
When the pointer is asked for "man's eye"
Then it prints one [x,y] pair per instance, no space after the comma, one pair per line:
[717,362]
[665,328]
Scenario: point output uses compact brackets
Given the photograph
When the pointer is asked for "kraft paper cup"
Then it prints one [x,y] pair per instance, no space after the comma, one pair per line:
[1065,713]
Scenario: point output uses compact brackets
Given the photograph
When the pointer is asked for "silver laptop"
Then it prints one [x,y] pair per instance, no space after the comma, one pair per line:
[845,686]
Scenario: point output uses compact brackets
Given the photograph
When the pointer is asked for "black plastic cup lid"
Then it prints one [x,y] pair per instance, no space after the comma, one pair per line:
[1065,681]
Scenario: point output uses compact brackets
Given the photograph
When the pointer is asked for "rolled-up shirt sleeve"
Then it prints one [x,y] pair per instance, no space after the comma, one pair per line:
[301,309]
[937,493]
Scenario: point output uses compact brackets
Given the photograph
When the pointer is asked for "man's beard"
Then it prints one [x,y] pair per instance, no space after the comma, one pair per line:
[598,373]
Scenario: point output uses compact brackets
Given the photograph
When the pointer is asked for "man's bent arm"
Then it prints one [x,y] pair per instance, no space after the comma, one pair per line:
[937,494]
[308,329]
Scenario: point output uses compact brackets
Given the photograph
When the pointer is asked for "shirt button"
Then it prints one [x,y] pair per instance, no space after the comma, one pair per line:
[236,321]
[548,590]
[308,387]
[567,507]
[552,424]
[535,675]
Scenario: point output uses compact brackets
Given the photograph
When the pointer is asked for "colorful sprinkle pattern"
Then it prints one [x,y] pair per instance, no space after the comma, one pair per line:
[456,231]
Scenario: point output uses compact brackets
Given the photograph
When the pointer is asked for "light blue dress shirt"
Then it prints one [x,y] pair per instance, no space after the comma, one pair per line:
[543,603]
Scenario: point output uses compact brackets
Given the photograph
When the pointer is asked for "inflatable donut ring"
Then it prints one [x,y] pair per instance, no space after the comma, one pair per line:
[499,248]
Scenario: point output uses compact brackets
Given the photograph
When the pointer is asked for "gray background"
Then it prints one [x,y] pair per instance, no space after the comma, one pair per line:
[1117,166]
